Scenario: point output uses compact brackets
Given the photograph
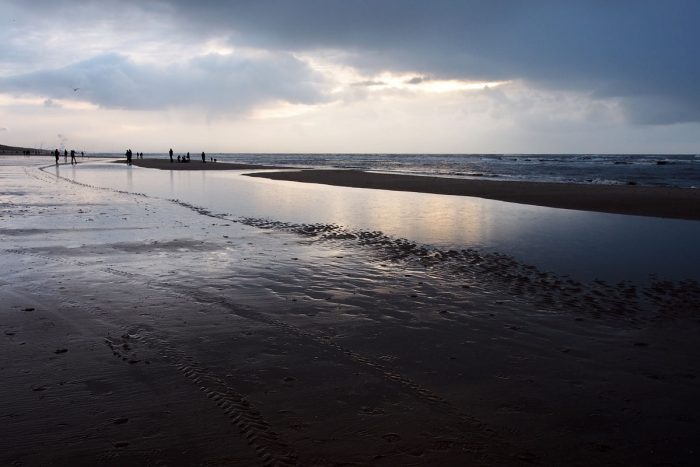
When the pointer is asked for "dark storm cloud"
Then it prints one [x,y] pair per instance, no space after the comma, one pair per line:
[641,51]
[218,83]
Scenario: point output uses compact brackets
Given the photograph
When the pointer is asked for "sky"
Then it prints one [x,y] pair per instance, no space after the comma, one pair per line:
[370,76]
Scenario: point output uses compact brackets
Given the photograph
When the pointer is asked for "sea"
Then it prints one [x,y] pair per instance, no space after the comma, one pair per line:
[611,169]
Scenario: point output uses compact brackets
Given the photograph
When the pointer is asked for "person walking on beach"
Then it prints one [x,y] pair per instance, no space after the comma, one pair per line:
[188,156]
[171,154]
[55,153]
[65,156]
[128,157]
[72,157]
[204,157]
[82,154]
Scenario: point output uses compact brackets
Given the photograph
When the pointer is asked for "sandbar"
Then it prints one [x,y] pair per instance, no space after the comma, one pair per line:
[195,164]
[669,202]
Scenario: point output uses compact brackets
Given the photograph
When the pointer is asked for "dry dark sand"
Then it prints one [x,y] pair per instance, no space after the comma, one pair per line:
[140,331]
[681,203]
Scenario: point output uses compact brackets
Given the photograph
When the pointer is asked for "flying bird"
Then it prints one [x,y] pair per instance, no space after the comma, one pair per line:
[75,89]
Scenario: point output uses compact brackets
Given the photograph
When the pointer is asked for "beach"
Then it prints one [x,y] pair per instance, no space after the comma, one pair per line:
[145,327]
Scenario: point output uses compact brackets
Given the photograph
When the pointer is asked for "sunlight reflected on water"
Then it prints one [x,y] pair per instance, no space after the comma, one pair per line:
[583,244]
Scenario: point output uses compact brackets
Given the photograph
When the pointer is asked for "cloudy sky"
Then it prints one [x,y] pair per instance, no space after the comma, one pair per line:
[438,76]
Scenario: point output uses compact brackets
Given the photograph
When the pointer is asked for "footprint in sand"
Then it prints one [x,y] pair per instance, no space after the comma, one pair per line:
[391,437]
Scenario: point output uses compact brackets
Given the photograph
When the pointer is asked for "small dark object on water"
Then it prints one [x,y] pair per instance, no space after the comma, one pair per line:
[661,162]
[120,421]
[60,351]
[29,309]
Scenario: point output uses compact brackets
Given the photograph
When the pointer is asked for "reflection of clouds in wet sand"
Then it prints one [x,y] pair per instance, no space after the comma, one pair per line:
[584,244]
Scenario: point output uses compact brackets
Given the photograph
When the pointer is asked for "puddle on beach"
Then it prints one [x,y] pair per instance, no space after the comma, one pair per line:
[584,245]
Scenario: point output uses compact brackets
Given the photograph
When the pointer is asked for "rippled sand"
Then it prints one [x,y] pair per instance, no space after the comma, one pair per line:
[137,330]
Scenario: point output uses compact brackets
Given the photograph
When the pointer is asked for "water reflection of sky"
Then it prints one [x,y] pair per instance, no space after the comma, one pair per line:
[583,244]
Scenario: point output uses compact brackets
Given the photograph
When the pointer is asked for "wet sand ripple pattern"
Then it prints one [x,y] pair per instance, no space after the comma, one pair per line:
[658,299]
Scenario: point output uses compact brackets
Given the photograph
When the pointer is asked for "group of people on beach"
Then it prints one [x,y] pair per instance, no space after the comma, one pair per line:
[73,160]
[186,158]
[129,156]
[139,155]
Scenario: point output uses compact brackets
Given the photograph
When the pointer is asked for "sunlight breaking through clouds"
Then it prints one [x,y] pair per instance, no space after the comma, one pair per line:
[421,84]
[530,75]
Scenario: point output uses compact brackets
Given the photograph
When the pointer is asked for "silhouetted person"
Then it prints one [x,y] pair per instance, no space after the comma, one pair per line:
[128,157]
[204,157]
[188,156]
[82,155]
[55,153]
[171,154]
[72,157]
[65,155]
[178,158]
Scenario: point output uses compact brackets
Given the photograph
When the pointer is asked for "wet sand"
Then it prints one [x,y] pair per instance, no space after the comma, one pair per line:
[680,203]
[141,331]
